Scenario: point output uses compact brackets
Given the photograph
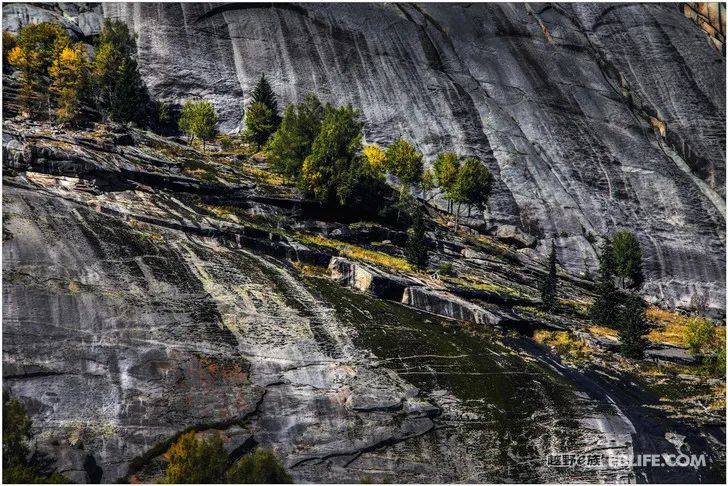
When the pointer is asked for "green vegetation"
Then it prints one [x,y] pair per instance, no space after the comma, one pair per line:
[198,119]
[446,167]
[376,157]
[17,468]
[263,93]
[548,285]
[603,311]
[119,91]
[38,46]
[403,161]
[627,258]
[56,75]
[633,327]
[699,334]
[416,250]
[261,467]
[193,460]
[259,124]
[292,143]
[473,184]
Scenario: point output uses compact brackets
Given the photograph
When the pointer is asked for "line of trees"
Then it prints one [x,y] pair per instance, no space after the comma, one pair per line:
[58,77]
[617,303]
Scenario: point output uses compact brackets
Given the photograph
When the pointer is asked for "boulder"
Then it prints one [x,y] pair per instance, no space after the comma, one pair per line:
[448,305]
[365,277]
[672,355]
[512,235]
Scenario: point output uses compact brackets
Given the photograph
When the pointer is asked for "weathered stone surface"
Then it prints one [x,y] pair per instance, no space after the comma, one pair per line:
[448,305]
[563,119]
[510,234]
[671,355]
[368,278]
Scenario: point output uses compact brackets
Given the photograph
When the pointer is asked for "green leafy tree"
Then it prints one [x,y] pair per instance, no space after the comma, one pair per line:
[428,182]
[292,143]
[603,311]
[404,161]
[416,251]
[198,119]
[548,285]
[627,259]
[118,86]
[633,327]
[38,46]
[263,93]
[472,186]
[10,41]
[259,124]
[361,187]
[334,155]
[17,468]
[446,167]
[261,467]
[193,460]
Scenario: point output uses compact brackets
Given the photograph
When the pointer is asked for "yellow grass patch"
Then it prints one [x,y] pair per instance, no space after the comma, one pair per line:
[603,331]
[357,252]
[565,343]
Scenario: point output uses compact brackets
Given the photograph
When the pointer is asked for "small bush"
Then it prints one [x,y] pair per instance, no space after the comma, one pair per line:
[261,467]
[193,460]
[699,335]
[445,269]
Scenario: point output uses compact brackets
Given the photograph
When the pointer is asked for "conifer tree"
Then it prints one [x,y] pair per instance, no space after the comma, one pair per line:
[446,167]
[263,93]
[548,286]
[198,119]
[633,327]
[69,78]
[292,142]
[259,124]
[627,259]
[603,311]
[416,250]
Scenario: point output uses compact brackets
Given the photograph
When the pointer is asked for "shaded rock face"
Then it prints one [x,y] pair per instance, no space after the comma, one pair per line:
[592,117]
[117,340]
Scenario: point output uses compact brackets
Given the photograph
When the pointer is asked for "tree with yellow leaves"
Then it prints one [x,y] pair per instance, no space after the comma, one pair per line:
[38,45]
[69,77]
[375,156]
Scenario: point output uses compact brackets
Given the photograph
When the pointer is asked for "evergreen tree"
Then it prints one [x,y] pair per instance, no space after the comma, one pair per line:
[263,93]
[548,286]
[416,250]
[291,144]
[603,311]
[334,155]
[633,327]
[198,119]
[627,259]
[404,161]
[259,124]
[118,87]
[17,467]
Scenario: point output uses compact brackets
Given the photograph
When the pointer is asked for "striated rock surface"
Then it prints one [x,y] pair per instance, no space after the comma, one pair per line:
[593,117]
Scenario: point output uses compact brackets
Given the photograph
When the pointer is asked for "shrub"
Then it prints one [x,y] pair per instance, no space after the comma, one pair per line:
[193,460]
[198,119]
[261,467]
[445,269]
[699,335]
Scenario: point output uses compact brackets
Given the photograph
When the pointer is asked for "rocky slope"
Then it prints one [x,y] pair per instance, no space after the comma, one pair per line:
[141,298]
[593,117]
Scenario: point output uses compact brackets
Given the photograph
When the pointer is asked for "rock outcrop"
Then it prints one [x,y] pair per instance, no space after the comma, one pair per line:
[593,118]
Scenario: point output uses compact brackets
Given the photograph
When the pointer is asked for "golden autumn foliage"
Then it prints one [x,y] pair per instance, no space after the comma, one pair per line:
[68,80]
[375,156]
[193,460]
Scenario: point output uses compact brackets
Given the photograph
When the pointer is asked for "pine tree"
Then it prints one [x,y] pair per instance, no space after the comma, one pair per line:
[603,311]
[633,327]
[627,259]
[292,142]
[416,250]
[263,93]
[259,124]
[198,119]
[548,286]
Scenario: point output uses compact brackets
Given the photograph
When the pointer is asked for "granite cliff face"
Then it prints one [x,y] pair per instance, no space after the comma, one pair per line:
[593,117]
